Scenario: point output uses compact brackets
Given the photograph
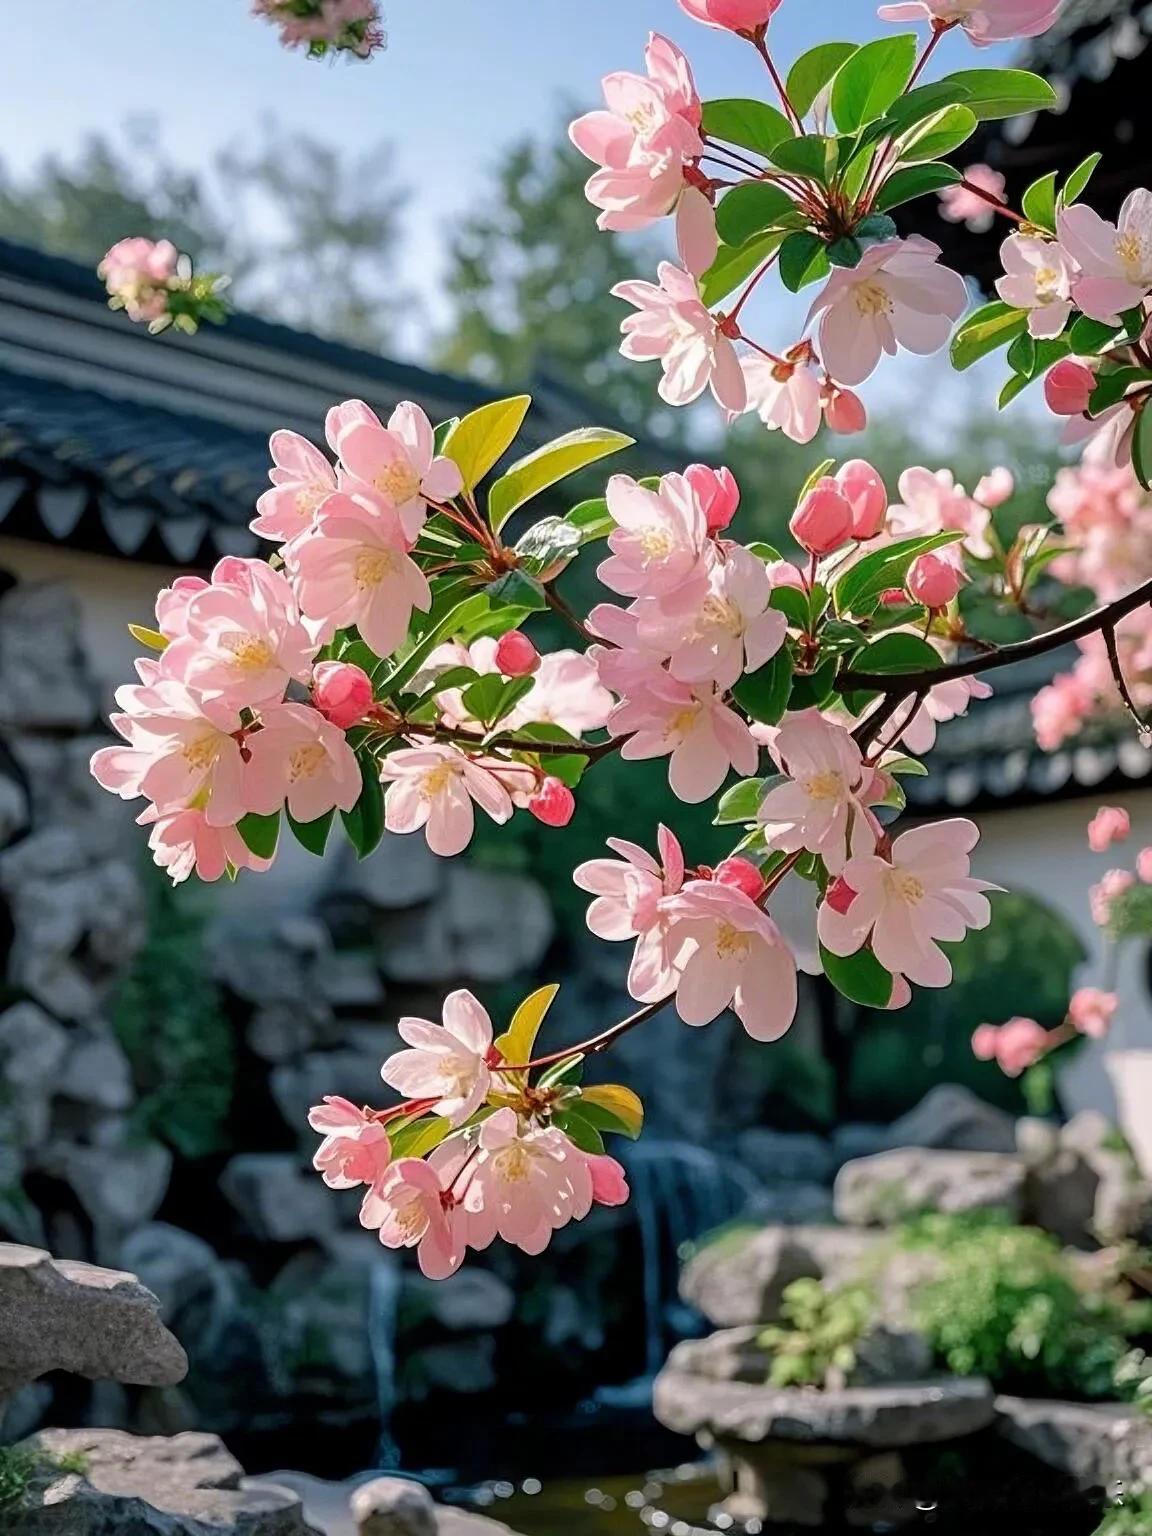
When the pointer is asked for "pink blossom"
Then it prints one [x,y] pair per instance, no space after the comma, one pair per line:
[553,803]
[659,541]
[729,953]
[672,324]
[1068,387]
[746,16]
[1058,711]
[692,725]
[411,1209]
[933,502]
[742,874]
[447,1062]
[1102,896]
[345,26]
[933,581]
[299,757]
[643,140]
[138,274]
[863,489]
[823,807]
[896,296]
[525,1184]
[565,692]
[629,894]
[1019,1045]
[609,1182]
[782,573]
[1111,824]
[995,488]
[906,906]
[697,241]
[822,523]
[984,1038]
[184,842]
[1091,1011]
[434,787]
[515,655]
[1039,275]
[843,409]
[717,492]
[1115,260]
[960,205]
[244,641]
[1144,865]
[985,21]
[172,604]
[342,692]
[943,702]
[398,464]
[786,395]
[302,479]
[354,568]
[355,1149]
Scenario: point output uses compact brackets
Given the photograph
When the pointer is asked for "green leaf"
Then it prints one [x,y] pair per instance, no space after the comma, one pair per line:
[364,823]
[812,690]
[491,697]
[592,520]
[312,835]
[1142,447]
[1039,203]
[859,589]
[811,155]
[1112,387]
[813,70]
[454,616]
[547,545]
[416,1138]
[555,461]
[763,694]
[440,435]
[152,638]
[845,252]
[915,105]
[483,436]
[986,329]
[869,82]
[914,181]
[734,263]
[568,769]
[739,805]
[900,651]
[1086,336]
[566,1071]
[517,589]
[750,124]
[859,977]
[260,833]
[875,229]
[910,767]
[803,260]
[938,135]
[516,1043]
[748,209]
[793,604]
[579,1129]
[1077,182]
[616,1108]
[996,93]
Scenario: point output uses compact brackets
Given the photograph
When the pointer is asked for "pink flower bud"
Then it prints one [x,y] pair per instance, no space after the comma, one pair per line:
[823,520]
[995,487]
[782,573]
[742,875]
[865,493]
[984,1041]
[553,803]
[933,581]
[1067,387]
[342,692]
[840,895]
[1111,824]
[718,493]
[1019,1045]
[516,656]
[1144,865]
[732,15]
[1090,1011]
[844,410]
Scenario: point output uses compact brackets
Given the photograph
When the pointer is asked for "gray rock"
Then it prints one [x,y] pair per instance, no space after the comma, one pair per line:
[781,1157]
[1060,1196]
[741,1279]
[489,925]
[186,1485]
[944,1408]
[769,1484]
[884,1189]
[119,1186]
[792,1205]
[348,978]
[393,1506]
[1097,1444]
[178,1266]
[32,1048]
[1037,1140]
[476,1299]
[732,1354]
[328,1505]
[43,679]
[283,1031]
[98,1073]
[352,1073]
[403,872]
[886,1354]
[1123,1203]
[14,809]
[954,1119]
[57,1315]
[278,1201]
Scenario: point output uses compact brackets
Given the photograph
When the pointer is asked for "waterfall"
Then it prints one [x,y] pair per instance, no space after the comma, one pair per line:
[383,1312]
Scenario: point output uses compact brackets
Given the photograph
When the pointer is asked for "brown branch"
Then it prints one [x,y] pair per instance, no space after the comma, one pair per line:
[511,743]
[1121,681]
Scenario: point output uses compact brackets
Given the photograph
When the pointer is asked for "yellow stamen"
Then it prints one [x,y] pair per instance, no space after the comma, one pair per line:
[372,566]
[731,942]
[252,653]
[824,786]
[872,298]
[399,482]
[304,761]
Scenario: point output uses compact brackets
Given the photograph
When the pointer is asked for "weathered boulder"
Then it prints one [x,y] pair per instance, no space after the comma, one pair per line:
[97,1072]
[741,1278]
[476,1299]
[393,1506]
[119,1186]
[489,925]
[178,1266]
[884,1189]
[186,1485]
[954,1119]
[785,1157]
[1097,1444]
[43,679]
[883,1355]
[278,1200]
[56,1315]
[1123,1202]
[329,1506]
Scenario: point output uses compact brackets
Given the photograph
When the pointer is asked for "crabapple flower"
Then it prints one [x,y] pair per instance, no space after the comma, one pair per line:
[823,806]
[985,21]
[729,953]
[697,241]
[354,568]
[1039,277]
[138,274]
[1091,1011]
[1144,865]
[1115,260]
[907,905]
[565,692]
[995,488]
[933,581]
[1103,896]
[659,541]
[960,205]
[184,842]
[822,523]
[748,16]
[943,702]
[435,787]
[933,502]
[843,409]
[896,296]
[302,479]
[553,803]
[355,1149]
[786,394]
[863,489]
[629,904]
[1014,1046]
[1059,711]
[717,492]
[300,758]
[1111,824]
[1068,387]
[342,692]
[410,1208]
[321,26]
[398,464]
[524,1185]
[742,874]
[673,325]
[690,724]
[447,1062]
[515,655]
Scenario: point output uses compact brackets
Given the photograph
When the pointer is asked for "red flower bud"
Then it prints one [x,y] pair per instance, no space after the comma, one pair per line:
[718,493]
[516,656]
[1068,386]
[742,874]
[823,520]
[553,803]
[342,692]
[933,581]
[863,489]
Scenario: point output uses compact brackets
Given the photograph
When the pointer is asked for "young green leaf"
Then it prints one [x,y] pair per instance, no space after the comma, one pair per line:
[517,589]
[152,638]
[591,519]
[555,461]
[750,124]
[612,1107]
[518,1040]
[813,70]
[748,209]
[812,155]
[993,325]
[578,1128]
[803,260]
[1142,447]
[869,82]
[739,805]
[1039,203]
[859,589]
[485,435]
[1112,387]
[764,693]
[996,93]
[900,651]
[260,833]
[845,252]
[938,135]
[312,835]
[859,977]
[914,181]
[1075,186]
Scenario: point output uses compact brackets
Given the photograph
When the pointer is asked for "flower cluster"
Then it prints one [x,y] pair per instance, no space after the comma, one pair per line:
[326,27]
[154,284]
